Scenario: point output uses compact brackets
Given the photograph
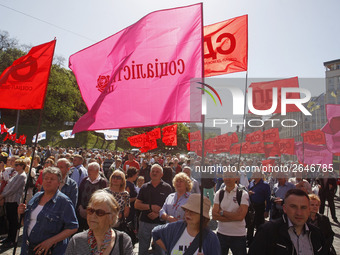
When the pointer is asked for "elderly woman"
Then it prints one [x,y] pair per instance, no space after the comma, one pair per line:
[100,238]
[116,187]
[50,218]
[321,221]
[184,235]
[172,210]
[87,187]
[12,194]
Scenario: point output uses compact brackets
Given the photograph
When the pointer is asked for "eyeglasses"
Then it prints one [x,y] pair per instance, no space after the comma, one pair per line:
[117,177]
[99,212]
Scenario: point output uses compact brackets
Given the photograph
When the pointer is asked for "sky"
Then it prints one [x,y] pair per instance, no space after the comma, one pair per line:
[286,37]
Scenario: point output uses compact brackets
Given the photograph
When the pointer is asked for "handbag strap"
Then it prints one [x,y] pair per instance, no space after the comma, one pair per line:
[120,240]
[194,244]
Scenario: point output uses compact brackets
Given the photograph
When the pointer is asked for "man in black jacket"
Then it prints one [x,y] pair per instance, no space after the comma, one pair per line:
[290,234]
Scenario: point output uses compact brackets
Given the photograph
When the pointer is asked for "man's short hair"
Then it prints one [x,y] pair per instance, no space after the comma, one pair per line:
[78,156]
[66,161]
[296,192]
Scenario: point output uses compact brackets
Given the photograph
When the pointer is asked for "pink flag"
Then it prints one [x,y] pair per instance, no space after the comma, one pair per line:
[332,127]
[141,75]
[313,154]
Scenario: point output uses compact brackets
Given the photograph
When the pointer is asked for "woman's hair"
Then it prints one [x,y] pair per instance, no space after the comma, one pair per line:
[314,197]
[53,170]
[49,160]
[20,162]
[131,172]
[102,196]
[183,177]
[123,184]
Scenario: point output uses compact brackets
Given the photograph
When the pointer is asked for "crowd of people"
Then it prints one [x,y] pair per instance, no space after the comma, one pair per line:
[103,202]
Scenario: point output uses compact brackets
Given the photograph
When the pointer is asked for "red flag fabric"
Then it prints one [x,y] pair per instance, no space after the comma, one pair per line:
[314,137]
[137,140]
[235,149]
[149,144]
[141,75]
[170,135]
[209,145]
[23,85]
[253,137]
[154,134]
[272,150]
[256,148]
[271,135]
[222,143]
[287,146]
[195,136]
[263,96]
[4,129]
[170,140]
[226,46]
[267,163]
[234,138]
[169,130]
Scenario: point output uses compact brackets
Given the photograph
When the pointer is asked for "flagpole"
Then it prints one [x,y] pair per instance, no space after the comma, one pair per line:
[244,118]
[17,124]
[27,182]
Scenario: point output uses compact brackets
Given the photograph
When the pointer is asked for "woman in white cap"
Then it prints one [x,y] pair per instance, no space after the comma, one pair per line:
[182,237]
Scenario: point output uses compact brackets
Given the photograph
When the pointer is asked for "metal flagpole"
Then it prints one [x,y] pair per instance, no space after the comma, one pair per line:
[203,159]
[244,118]
[27,182]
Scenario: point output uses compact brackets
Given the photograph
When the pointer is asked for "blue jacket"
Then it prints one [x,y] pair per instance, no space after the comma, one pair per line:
[171,232]
[57,215]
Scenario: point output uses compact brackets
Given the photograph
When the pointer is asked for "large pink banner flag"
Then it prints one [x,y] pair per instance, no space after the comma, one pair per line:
[332,128]
[313,154]
[141,75]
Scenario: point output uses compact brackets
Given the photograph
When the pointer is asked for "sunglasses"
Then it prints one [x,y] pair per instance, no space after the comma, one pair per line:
[99,212]
[117,177]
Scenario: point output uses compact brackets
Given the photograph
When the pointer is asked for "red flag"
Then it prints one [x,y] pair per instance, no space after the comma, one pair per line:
[226,46]
[170,140]
[23,85]
[222,143]
[169,130]
[137,140]
[234,138]
[271,135]
[256,148]
[170,135]
[235,149]
[209,145]
[4,129]
[267,163]
[254,137]
[154,134]
[272,150]
[263,96]
[314,137]
[287,146]
[195,136]
[149,144]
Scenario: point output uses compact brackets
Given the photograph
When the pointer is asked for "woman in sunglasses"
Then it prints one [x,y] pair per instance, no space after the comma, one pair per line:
[50,218]
[117,189]
[100,238]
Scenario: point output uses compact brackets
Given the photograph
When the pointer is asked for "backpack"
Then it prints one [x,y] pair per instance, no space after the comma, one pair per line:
[250,216]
